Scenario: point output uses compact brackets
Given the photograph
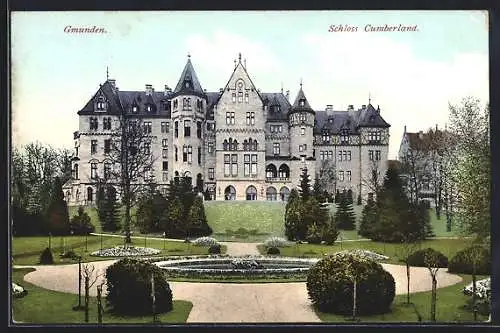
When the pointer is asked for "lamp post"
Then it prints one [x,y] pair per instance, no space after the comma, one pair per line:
[164,239]
[101,242]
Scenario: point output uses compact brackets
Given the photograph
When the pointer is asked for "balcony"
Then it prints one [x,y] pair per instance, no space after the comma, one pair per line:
[277,179]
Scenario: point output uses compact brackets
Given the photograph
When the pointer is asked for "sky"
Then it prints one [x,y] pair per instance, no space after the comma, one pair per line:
[412,75]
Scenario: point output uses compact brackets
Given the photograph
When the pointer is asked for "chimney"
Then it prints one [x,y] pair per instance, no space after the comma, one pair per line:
[405,129]
[329,109]
[167,89]
[421,135]
[112,82]
[350,107]
[149,89]
[288,95]
[221,90]
[363,107]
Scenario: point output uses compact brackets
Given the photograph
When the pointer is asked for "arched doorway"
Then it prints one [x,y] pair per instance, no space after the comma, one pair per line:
[251,193]
[230,193]
[284,193]
[271,194]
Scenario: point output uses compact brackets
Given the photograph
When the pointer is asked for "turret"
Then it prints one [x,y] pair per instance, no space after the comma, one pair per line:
[301,122]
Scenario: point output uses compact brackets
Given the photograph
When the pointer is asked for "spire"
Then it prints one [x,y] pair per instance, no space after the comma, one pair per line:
[188,80]
[300,83]
[369,98]
[281,86]
[301,102]
[107,73]
[245,63]
[239,57]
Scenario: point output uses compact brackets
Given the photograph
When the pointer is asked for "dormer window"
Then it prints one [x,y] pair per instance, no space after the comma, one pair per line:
[134,108]
[344,137]
[148,108]
[330,120]
[101,104]
[175,104]
[302,102]
[326,137]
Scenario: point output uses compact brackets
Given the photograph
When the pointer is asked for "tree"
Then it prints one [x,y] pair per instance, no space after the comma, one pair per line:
[111,207]
[173,225]
[369,218]
[197,220]
[318,190]
[305,185]
[373,180]
[469,125]
[132,162]
[416,166]
[407,248]
[80,224]
[344,215]
[293,215]
[57,212]
[327,176]
[432,263]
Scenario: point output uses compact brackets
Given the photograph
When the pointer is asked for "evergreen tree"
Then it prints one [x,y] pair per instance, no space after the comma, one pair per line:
[172,223]
[80,224]
[318,191]
[344,215]
[330,232]
[111,213]
[337,196]
[293,216]
[369,218]
[144,214]
[305,185]
[57,211]
[101,203]
[197,220]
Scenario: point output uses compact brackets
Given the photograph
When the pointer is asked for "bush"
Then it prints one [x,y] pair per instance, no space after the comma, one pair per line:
[314,235]
[330,234]
[46,258]
[129,288]
[418,258]
[461,262]
[274,251]
[214,249]
[70,255]
[276,242]
[205,241]
[331,289]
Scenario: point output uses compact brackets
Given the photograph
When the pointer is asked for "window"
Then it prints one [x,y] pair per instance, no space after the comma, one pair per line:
[210,126]
[199,104]
[187,154]
[147,148]
[250,118]
[227,165]
[374,137]
[301,148]
[341,176]
[199,155]
[149,108]
[229,118]
[302,131]
[176,154]
[164,177]
[106,123]
[75,171]
[90,194]
[344,137]
[175,104]
[246,162]
[302,117]
[93,170]
[164,153]
[107,146]
[250,164]
[246,97]
[253,171]
[210,147]
[164,143]
[165,166]
[234,97]
[254,146]
[322,155]
[276,148]
[348,175]
[198,130]
[186,103]
[348,155]
[187,128]
[101,104]
[234,165]
[370,155]
[326,137]
[211,173]
[93,123]
[134,108]
[240,97]
[330,155]
[164,127]
[276,128]
[147,127]
[176,129]
[93,147]
[377,155]
[344,155]
[107,170]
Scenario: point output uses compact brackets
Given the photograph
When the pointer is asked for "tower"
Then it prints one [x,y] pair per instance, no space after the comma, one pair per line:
[189,103]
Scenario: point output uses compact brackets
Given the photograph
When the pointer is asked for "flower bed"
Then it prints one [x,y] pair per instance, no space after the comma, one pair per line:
[276,242]
[483,288]
[365,254]
[18,291]
[125,251]
[205,241]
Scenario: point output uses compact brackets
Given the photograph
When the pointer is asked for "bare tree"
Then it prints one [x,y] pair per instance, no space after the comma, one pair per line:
[90,276]
[133,162]
[100,308]
[406,249]
[432,263]
[415,165]
[374,180]
[327,176]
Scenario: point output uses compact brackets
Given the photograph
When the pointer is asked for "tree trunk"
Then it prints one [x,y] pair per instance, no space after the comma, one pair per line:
[80,283]
[408,280]
[354,301]
[87,299]
[433,300]
[474,290]
[128,239]
[99,305]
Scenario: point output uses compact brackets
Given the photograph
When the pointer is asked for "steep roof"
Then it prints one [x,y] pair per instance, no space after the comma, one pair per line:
[301,103]
[109,92]
[158,101]
[334,121]
[371,118]
[278,106]
[188,82]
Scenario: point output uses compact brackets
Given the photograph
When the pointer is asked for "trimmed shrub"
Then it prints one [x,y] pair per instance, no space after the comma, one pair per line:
[461,262]
[276,242]
[214,249]
[330,287]
[274,251]
[46,258]
[204,241]
[70,255]
[129,288]
[418,258]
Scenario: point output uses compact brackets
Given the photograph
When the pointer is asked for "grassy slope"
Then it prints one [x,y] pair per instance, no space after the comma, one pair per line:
[27,250]
[447,246]
[449,307]
[42,306]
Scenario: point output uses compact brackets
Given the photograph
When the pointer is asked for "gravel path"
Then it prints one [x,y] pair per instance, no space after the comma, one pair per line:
[238,303]
[241,249]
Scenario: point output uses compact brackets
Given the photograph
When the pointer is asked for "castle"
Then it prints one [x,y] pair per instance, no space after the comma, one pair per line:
[235,144]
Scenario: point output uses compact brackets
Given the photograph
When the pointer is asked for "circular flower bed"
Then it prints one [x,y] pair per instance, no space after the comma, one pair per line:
[205,241]
[125,251]
[254,267]
[18,291]
[483,288]
[365,254]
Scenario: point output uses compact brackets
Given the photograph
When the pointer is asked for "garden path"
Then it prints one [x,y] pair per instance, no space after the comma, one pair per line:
[241,249]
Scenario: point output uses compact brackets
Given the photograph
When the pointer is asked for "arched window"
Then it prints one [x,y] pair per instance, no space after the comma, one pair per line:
[284,193]
[90,194]
[271,171]
[75,171]
[254,145]
[245,144]
[224,145]
[230,193]
[251,193]
[199,182]
[235,145]
[284,171]
[68,196]
[271,194]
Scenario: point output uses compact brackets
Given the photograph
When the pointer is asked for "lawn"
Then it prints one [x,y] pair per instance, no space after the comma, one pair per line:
[27,250]
[248,221]
[450,302]
[42,306]
[439,225]
[449,247]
